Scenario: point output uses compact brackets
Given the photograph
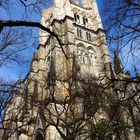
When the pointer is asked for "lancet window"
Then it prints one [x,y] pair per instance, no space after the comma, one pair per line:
[39,135]
[92,55]
[86,56]
[82,54]
[79,33]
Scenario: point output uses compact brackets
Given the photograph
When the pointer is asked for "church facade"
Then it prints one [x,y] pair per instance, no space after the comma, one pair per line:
[53,101]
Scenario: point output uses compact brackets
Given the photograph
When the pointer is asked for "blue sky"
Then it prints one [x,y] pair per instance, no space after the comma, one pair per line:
[100,4]
[14,71]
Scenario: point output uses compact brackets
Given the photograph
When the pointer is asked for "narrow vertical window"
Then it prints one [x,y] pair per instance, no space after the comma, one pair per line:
[77,32]
[80,33]
[84,21]
[48,59]
[87,35]
[75,17]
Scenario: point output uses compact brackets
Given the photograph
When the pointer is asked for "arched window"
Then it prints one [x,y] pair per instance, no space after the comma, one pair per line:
[89,37]
[82,54]
[86,56]
[39,135]
[92,56]
[76,17]
[79,33]
[85,20]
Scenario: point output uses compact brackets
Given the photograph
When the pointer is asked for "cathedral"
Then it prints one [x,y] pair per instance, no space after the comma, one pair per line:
[68,69]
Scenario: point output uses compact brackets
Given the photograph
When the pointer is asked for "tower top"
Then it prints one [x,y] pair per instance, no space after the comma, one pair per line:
[88,8]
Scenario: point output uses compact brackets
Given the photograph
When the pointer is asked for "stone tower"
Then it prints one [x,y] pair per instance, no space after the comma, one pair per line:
[78,25]
[78,48]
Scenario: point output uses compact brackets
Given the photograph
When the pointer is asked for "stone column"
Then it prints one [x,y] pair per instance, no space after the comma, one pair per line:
[97,19]
[62,8]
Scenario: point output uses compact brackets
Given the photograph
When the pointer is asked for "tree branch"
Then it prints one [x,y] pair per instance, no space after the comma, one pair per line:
[9,23]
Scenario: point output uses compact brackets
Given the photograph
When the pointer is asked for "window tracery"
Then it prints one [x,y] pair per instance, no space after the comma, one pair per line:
[86,56]
[92,55]
[79,33]
[85,20]
[89,38]
[76,17]
[82,54]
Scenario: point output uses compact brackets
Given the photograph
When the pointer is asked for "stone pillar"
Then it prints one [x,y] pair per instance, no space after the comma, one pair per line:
[104,54]
[62,8]
[96,14]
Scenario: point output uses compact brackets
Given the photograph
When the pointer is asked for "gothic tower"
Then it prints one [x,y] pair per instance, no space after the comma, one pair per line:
[78,48]
[78,25]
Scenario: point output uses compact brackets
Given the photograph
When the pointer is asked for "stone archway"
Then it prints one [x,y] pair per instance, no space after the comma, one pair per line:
[39,135]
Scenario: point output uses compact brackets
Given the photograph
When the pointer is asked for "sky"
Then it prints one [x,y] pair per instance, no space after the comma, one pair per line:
[13,71]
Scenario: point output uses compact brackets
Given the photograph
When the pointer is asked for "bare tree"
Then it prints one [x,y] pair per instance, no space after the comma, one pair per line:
[85,111]
[123,29]
[89,109]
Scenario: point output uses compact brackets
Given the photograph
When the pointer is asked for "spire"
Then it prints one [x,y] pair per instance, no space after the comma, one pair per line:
[136,72]
[118,67]
[62,8]
[111,71]
[127,73]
